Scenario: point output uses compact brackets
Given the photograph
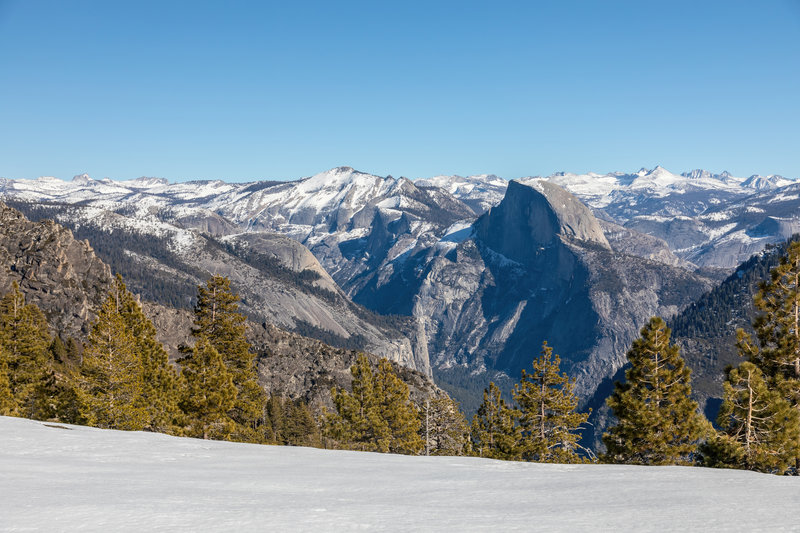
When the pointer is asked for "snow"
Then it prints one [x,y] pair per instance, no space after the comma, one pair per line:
[63,478]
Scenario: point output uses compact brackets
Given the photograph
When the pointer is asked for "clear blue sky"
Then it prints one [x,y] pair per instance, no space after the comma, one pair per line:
[280,90]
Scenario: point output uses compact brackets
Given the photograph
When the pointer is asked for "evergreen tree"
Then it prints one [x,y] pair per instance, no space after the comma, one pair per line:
[290,422]
[495,433]
[217,319]
[209,392]
[778,329]
[299,426]
[8,404]
[58,350]
[357,423]
[658,422]
[397,410]
[760,429]
[444,428]
[23,333]
[159,379]
[548,421]
[111,374]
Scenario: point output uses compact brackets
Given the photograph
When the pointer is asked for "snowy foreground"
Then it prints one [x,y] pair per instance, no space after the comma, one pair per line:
[64,478]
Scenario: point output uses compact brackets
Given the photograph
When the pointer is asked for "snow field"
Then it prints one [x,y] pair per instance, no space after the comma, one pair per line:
[55,477]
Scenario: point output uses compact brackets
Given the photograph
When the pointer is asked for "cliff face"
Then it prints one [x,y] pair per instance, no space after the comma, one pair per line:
[537,214]
[58,273]
[536,267]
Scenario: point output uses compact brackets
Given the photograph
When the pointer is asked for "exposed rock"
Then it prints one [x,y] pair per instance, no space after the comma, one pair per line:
[58,273]
[289,364]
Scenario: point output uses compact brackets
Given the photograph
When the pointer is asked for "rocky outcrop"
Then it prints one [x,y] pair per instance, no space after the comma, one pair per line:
[289,364]
[58,273]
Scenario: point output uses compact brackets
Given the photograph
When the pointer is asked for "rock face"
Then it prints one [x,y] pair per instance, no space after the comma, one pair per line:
[536,215]
[58,273]
[536,267]
[289,364]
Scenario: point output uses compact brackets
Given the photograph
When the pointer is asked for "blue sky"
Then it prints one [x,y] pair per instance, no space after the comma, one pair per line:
[262,90]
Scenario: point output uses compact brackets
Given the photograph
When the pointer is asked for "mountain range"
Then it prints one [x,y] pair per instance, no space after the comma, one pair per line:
[461,278]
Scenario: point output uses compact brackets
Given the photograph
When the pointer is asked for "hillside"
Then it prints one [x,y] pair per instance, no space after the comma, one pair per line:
[68,281]
[68,478]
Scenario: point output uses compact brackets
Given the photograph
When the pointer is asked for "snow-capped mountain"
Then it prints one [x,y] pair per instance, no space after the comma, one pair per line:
[711,220]
[416,248]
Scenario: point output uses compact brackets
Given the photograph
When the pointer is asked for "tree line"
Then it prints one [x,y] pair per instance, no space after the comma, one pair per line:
[122,379]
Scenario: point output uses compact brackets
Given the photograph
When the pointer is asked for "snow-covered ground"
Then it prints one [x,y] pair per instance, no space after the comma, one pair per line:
[65,478]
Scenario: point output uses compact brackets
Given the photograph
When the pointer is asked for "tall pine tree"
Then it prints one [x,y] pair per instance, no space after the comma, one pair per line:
[494,431]
[657,421]
[209,392]
[111,382]
[160,386]
[397,410]
[548,421]
[778,330]
[760,429]
[357,423]
[8,404]
[218,320]
[444,428]
[24,334]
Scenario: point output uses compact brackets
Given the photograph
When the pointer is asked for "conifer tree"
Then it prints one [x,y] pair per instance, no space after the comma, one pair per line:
[760,429]
[58,350]
[444,428]
[396,409]
[209,392]
[298,425]
[23,333]
[218,320]
[495,433]
[8,404]
[778,329]
[357,423]
[548,422]
[111,374]
[658,422]
[290,422]
[160,386]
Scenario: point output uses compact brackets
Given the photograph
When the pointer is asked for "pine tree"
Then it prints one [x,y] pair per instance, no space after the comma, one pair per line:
[778,329]
[23,333]
[8,404]
[396,409]
[209,392]
[217,319]
[159,379]
[290,423]
[444,428]
[760,429]
[357,423]
[494,432]
[111,374]
[299,426]
[548,421]
[658,422]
